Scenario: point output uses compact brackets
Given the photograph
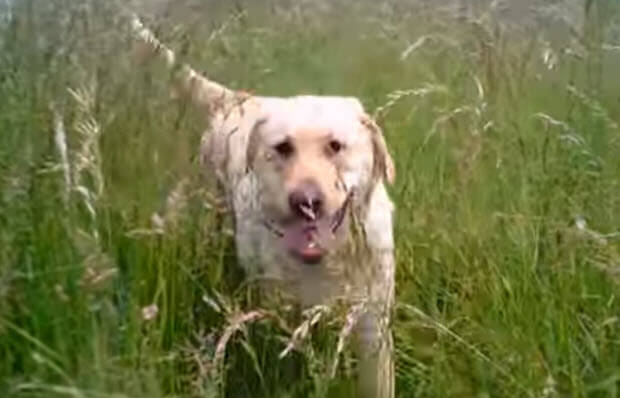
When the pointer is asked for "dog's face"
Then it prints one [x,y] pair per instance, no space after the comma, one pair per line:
[313,157]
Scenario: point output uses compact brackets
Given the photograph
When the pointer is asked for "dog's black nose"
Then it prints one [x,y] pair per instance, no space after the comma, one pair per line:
[307,200]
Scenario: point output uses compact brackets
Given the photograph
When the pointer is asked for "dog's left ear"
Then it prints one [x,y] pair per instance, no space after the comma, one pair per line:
[383,163]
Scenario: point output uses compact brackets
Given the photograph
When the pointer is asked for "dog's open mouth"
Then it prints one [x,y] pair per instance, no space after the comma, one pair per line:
[309,238]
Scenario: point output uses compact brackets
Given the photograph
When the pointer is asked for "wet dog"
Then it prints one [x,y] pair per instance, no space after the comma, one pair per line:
[304,178]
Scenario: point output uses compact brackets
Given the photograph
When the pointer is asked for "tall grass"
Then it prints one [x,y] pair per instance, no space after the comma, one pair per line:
[117,269]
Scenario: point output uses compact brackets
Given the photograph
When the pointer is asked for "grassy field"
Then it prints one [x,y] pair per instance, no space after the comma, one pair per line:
[118,278]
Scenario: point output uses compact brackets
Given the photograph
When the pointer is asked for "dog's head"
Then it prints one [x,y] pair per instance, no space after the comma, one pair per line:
[314,156]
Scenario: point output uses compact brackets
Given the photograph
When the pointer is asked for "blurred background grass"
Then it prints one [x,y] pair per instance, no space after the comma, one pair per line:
[117,276]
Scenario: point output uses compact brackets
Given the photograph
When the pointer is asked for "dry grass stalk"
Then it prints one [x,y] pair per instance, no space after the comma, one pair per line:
[235,324]
[87,160]
[352,318]
[397,96]
[592,104]
[60,140]
[312,316]
[86,179]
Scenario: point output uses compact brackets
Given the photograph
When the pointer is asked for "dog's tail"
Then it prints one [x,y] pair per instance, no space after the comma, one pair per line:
[205,94]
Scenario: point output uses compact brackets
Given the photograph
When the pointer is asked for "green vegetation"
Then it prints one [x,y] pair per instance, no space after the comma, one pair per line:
[118,276]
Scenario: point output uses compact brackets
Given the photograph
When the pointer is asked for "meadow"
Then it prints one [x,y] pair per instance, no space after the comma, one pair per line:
[117,270]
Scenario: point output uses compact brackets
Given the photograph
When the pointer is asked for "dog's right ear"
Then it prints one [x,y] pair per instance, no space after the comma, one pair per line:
[253,144]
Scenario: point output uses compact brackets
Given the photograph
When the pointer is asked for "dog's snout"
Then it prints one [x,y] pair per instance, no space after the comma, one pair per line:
[307,200]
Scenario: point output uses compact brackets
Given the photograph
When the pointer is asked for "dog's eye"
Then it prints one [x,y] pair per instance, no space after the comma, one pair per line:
[335,146]
[284,149]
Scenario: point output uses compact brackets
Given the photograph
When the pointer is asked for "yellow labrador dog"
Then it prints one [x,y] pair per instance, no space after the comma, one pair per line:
[305,181]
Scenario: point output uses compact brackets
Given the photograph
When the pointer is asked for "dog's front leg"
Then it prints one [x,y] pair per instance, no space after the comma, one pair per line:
[373,332]
[375,353]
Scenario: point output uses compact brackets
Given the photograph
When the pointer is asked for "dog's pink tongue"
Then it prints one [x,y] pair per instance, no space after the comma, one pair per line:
[302,242]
